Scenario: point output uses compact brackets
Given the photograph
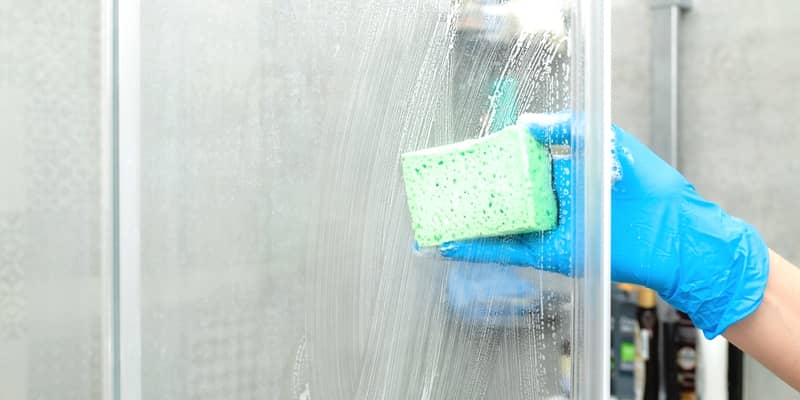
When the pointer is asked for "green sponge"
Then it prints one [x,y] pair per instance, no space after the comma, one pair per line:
[493,186]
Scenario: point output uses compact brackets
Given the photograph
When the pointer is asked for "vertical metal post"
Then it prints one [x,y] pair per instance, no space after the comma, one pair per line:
[664,125]
[664,119]
[108,198]
[127,196]
[592,160]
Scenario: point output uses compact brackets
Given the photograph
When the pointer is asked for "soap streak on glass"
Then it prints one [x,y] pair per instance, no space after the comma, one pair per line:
[277,256]
[385,322]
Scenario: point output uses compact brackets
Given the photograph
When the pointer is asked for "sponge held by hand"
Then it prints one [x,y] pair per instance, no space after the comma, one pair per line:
[493,186]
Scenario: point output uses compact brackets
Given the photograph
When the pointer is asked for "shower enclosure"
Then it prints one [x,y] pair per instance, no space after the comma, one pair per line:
[202,200]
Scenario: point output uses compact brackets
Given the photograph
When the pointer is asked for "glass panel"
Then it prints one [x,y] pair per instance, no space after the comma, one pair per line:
[277,255]
[55,236]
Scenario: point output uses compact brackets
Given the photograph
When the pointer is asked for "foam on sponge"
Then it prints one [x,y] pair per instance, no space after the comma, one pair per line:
[493,186]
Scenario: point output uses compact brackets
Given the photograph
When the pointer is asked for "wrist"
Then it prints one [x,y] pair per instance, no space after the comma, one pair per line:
[776,318]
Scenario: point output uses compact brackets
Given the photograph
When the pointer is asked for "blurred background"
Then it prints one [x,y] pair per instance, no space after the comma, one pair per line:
[738,123]
[230,109]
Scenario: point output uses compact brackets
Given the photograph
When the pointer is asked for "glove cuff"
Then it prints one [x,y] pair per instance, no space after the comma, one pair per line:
[746,290]
[718,291]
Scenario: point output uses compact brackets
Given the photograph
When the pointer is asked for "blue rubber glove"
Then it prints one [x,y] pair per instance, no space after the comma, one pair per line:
[490,294]
[664,236]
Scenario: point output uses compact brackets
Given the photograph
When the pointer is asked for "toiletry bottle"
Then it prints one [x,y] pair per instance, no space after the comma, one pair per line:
[624,310]
[685,339]
[648,344]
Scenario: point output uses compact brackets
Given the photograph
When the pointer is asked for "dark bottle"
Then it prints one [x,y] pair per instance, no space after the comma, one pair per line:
[648,342]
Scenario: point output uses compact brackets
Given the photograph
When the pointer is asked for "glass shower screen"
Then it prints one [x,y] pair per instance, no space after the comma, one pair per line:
[276,253]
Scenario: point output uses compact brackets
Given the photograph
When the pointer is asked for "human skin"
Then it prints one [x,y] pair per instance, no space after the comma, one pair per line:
[771,334]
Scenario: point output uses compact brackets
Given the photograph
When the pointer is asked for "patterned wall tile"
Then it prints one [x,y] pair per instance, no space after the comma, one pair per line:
[226,351]
[12,298]
[50,234]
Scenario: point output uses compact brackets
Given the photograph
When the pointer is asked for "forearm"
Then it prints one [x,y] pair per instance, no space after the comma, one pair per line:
[771,334]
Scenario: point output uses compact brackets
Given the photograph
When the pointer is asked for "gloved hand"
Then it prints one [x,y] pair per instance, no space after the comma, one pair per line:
[664,236]
[493,295]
